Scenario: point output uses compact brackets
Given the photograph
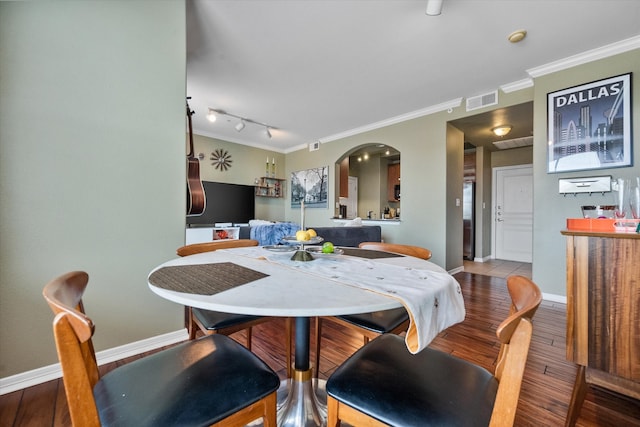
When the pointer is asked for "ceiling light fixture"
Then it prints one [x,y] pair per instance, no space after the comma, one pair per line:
[211,116]
[501,130]
[434,7]
[517,36]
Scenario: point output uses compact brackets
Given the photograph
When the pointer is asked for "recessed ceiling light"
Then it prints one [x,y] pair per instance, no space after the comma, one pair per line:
[517,36]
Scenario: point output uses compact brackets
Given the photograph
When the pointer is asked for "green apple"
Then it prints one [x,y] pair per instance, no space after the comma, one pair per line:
[327,248]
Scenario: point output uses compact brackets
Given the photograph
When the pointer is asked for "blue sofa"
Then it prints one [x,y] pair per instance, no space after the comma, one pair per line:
[339,236]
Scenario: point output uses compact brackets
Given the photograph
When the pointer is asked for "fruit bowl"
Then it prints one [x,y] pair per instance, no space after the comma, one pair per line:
[317,251]
[293,241]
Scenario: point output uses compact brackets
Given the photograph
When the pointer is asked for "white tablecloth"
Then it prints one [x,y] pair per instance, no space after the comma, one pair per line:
[432,296]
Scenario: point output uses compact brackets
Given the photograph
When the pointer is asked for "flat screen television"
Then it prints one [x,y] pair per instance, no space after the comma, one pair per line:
[233,203]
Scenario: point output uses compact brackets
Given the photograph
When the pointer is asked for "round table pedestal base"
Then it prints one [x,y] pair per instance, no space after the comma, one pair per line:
[302,401]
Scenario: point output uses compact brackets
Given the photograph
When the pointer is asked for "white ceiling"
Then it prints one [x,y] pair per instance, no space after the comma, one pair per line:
[317,70]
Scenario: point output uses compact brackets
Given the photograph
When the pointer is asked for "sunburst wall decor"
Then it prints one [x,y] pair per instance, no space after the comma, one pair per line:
[221,159]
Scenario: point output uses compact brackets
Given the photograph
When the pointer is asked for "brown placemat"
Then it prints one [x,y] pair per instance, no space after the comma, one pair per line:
[204,279]
[368,253]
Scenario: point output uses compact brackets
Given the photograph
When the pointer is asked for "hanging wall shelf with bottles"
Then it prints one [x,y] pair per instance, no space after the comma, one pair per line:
[270,187]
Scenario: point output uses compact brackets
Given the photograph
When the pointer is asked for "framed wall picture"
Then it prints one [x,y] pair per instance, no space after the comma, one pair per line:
[589,126]
[311,186]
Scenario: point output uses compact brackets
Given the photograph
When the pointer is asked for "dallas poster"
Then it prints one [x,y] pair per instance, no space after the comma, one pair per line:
[589,126]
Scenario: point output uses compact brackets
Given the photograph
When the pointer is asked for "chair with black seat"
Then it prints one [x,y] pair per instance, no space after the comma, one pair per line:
[216,322]
[210,381]
[384,384]
[373,324]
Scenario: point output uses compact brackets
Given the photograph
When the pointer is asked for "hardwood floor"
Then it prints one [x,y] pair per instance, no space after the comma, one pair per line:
[498,268]
[545,393]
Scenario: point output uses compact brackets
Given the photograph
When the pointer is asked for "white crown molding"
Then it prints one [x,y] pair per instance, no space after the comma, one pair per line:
[51,372]
[304,146]
[393,120]
[515,86]
[586,57]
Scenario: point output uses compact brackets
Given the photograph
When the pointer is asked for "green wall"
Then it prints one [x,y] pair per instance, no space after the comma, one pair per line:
[92,166]
[551,209]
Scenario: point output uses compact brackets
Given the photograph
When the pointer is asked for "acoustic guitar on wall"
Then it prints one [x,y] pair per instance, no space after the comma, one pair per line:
[196,199]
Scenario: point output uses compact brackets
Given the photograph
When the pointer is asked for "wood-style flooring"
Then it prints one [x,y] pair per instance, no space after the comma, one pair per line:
[546,389]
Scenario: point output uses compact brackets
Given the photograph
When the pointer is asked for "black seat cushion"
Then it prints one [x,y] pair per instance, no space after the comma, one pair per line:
[193,384]
[214,320]
[378,321]
[431,388]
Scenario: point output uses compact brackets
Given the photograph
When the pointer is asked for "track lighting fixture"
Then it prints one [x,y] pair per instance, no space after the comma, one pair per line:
[211,116]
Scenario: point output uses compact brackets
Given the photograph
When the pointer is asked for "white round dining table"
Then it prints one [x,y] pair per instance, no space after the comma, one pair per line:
[279,287]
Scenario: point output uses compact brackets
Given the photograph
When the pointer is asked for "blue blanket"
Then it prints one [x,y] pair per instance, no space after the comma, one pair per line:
[272,234]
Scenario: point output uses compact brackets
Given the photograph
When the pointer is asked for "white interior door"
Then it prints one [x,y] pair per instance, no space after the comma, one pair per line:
[513,213]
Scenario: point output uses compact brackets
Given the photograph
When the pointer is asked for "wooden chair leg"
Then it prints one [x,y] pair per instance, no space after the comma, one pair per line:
[316,367]
[332,412]
[288,330]
[249,338]
[192,328]
[270,413]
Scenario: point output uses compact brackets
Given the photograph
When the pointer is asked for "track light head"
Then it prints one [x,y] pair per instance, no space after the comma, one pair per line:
[267,132]
[240,125]
[211,115]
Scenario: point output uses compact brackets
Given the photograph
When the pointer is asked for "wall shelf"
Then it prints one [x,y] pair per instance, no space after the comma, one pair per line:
[270,187]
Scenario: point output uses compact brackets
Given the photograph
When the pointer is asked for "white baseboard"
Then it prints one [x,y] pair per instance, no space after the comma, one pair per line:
[456,270]
[51,372]
[554,298]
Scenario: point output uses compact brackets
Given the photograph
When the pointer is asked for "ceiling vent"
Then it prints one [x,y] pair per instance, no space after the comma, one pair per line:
[482,101]
[514,143]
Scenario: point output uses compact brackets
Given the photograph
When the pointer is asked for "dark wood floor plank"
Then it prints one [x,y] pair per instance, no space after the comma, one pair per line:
[546,389]
[37,408]
[9,404]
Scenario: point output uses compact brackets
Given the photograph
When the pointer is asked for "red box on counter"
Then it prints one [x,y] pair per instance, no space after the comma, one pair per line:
[591,224]
[606,225]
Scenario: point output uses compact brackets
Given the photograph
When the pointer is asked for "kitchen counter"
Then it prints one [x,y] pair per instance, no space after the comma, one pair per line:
[365,221]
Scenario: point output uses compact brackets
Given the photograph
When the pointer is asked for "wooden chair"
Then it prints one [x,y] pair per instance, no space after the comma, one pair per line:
[384,384]
[210,381]
[371,325]
[215,322]
[416,251]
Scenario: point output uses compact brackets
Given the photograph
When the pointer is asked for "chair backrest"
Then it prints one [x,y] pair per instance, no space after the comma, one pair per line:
[72,331]
[514,334]
[196,248]
[416,251]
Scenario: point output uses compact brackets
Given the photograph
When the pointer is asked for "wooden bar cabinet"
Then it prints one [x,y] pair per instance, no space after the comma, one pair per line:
[603,313]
